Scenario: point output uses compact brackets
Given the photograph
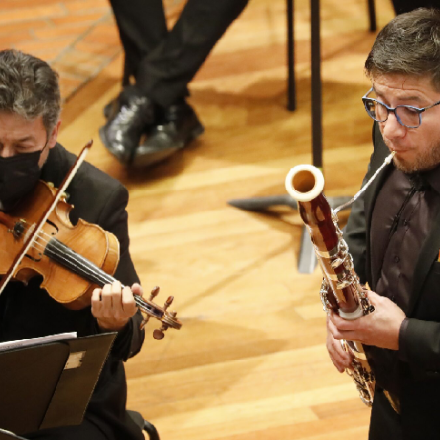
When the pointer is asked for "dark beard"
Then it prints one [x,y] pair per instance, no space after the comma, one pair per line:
[429,160]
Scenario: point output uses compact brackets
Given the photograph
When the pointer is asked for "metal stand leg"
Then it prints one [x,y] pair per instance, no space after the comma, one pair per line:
[372,15]
[307,259]
[291,88]
[316,84]
[291,93]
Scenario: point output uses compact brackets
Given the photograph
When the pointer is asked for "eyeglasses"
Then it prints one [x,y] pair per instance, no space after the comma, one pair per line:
[406,115]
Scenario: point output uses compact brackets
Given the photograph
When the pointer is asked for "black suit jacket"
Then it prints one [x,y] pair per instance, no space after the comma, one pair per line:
[28,311]
[418,360]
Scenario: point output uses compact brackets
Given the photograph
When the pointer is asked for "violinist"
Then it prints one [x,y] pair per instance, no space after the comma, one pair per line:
[29,125]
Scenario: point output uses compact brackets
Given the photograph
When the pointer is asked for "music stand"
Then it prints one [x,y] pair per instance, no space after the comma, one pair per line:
[307,259]
[7,435]
[50,385]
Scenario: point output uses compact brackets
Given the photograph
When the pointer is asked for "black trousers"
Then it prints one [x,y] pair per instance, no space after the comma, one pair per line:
[163,62]
[385,423]
[401,6]
[85,431]
[90,429]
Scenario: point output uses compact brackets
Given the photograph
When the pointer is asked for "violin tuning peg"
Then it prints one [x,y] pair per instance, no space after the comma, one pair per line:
[154,293]
[158,334]
[168,302]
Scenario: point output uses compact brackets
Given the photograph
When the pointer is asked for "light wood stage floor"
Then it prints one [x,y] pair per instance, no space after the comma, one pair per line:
[250,361]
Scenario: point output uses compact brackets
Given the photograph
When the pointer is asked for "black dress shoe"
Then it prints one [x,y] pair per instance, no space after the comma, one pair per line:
[177,126]
[128,117]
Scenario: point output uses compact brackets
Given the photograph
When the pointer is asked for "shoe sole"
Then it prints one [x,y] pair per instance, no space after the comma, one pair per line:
[148,160]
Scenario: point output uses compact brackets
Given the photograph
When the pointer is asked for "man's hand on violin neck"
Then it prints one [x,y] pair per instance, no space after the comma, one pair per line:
[113,306]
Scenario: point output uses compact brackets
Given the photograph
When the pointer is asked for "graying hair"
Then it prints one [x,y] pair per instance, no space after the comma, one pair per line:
[29,87]
[409,45]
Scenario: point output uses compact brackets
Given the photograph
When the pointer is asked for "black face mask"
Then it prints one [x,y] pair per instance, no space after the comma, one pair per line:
[18,176]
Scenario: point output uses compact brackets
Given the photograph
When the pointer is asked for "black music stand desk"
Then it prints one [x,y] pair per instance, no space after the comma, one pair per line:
[6,435]
[50,385]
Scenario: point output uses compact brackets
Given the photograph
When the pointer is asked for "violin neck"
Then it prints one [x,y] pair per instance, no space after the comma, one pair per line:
[71,260]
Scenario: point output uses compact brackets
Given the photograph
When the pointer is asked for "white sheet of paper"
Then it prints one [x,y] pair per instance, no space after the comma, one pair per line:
[36,341]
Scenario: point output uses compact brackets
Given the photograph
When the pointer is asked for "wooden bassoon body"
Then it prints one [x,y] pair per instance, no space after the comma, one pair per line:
[341,290]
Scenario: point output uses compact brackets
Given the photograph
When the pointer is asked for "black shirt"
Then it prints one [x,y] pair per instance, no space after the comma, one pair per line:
[402,218]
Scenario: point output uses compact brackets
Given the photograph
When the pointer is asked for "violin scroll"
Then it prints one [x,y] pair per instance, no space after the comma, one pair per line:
[150,309]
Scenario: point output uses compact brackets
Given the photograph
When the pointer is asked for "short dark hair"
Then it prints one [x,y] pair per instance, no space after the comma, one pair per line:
[29,87]
[410,45]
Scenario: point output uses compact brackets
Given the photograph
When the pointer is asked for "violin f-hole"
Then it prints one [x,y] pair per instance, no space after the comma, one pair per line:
[53,225]
[34,259]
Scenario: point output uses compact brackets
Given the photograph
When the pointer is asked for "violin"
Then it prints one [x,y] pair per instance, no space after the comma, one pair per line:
[73,260]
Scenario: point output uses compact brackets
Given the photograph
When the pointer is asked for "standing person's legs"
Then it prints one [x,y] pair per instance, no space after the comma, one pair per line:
[165,73]
[156,105]
[142,27]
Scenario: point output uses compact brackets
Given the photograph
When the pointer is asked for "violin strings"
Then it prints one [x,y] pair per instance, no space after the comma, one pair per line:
[83,264]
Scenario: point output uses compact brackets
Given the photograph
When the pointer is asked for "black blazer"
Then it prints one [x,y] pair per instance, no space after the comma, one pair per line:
[418,359]
[28,311]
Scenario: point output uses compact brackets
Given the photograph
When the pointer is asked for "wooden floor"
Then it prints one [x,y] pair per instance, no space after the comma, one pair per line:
[250,361]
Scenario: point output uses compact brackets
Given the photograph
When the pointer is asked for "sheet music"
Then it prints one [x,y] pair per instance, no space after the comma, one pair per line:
[36,341]
[9,434]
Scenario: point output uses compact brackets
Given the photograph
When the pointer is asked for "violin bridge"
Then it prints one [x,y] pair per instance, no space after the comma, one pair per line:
[30,229]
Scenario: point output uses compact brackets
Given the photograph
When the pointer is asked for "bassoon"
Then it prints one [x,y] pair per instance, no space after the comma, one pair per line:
[341,290]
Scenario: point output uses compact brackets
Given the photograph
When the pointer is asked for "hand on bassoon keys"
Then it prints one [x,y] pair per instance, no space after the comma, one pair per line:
[113,306]
[341,359]
[380,328]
